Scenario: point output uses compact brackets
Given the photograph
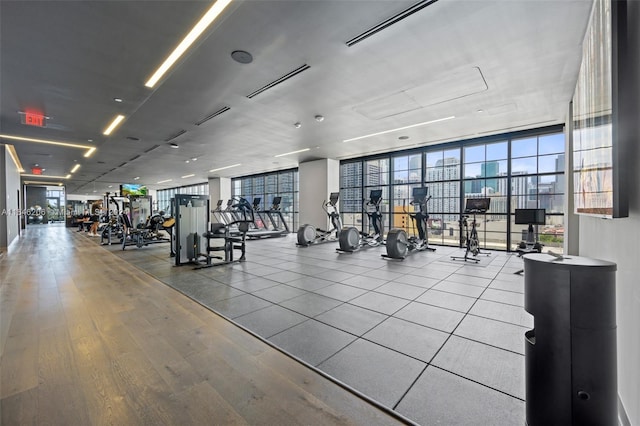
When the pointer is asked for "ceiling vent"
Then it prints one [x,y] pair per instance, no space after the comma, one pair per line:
[122,165]
[215,114]
[180,133]
[152,148]
[390,21]
[134,158]
[278,81]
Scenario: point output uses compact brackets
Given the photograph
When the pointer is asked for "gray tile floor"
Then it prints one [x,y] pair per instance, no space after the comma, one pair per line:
[437,340]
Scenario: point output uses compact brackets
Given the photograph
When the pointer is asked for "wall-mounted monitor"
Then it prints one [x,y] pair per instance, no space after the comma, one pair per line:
[128,189]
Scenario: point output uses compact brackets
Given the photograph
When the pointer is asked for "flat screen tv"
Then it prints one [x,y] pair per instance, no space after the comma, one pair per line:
[530,216]
[127,189]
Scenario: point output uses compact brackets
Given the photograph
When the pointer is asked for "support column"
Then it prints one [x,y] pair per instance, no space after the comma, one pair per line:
[571,220]
[219,189]
[318,179]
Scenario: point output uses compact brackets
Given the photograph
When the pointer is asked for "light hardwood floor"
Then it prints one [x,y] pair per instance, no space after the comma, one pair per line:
[86,339]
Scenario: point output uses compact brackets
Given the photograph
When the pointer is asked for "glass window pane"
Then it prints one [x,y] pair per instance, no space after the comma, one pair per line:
[434,159]
[473,170]
[497,151]
[493,168]
[474,154]
[401,176]
[401,163]
[524,147]
[415,162]
[551,163]
[527,165]
[351,175]
[522,185]
[551,144]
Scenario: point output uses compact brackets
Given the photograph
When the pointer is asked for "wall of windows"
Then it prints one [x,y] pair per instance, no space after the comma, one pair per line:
[522,170]
[269,185]
[165,195]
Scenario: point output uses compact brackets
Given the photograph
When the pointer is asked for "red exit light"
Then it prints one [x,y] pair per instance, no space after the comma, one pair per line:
[36,170]
[31,119]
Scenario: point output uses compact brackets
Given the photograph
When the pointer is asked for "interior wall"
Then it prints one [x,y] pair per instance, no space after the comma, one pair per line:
[9,187]
[318,179]
[617,240]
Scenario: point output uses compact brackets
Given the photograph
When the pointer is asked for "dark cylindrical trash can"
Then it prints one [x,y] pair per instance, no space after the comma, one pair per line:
[570,355]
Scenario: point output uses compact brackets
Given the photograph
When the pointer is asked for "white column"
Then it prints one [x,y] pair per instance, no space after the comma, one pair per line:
[318,179]
[219,189]
[571,220]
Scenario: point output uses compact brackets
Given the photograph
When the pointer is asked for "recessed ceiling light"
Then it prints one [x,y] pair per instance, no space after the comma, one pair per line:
[242,57]
[188,176]
[186,161]
[174,145]
[136,178]
[75,168]
[110,186]
[403,138]
[293,152]
[194,159]
[164,181]
[319,118]
[400,128]
[45,176]
[480,110]
[195,32]
[89,140]
[297,125]
[117,99]
[117,120]
[224,168]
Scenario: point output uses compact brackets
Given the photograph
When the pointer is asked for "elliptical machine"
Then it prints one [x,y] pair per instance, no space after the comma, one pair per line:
[399,245]
[351,239]
[308,235]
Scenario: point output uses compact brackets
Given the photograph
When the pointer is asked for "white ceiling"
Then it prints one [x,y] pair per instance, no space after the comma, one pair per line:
[516,61]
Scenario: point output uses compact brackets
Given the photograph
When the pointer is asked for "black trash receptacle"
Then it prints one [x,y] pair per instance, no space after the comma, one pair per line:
[570,355]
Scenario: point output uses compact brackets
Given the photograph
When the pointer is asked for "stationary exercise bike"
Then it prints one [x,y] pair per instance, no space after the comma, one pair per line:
[351,239]
[472,242]
[308,235]
[399,245]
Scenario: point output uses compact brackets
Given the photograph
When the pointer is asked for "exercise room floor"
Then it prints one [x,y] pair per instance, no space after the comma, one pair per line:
[437,340]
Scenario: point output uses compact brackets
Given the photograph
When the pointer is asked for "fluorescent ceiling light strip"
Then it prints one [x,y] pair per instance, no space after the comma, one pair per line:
[400,128]
[113,124]
[195,32]
[44,176]
[75,168]
[46,141]
[88,153]
[29,182]
[224,168]
[165,181]
[293,152]
[14,156]
[188,176]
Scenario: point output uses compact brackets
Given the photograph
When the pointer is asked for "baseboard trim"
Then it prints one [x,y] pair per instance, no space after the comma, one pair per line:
[623,419]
